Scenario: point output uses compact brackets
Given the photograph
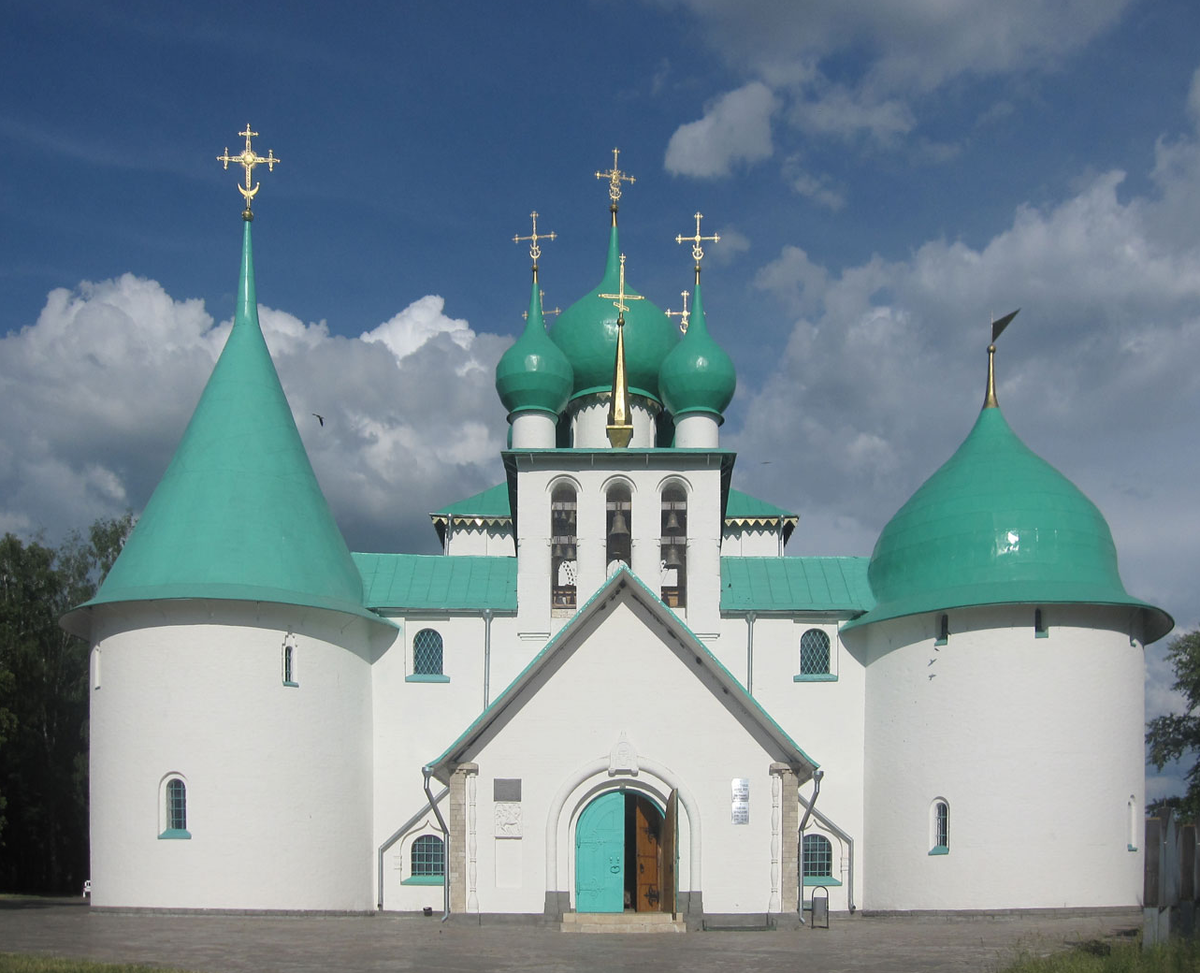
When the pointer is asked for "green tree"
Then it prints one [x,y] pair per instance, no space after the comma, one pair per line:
[44,706]
[1177,735]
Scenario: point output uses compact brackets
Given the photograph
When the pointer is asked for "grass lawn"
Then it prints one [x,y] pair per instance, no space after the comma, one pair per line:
[24,963]
[1098,956]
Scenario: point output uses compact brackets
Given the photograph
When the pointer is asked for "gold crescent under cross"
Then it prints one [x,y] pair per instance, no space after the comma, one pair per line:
[248,159]
[615,177]
[697,250]
[534,250]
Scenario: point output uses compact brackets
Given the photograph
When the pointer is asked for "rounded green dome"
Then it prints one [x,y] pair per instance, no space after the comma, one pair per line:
[997,524]
[534,374]
[587,334]
[697,375]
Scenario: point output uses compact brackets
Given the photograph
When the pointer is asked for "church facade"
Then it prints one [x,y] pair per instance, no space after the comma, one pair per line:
[612,691]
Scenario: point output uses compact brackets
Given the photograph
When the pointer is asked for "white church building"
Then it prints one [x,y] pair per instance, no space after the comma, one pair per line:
[613,691]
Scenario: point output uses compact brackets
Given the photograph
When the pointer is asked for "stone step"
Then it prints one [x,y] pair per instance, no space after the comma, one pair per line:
[622,922]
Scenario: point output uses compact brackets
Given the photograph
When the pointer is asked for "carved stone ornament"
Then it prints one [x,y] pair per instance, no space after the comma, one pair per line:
[623,759]
[508,819]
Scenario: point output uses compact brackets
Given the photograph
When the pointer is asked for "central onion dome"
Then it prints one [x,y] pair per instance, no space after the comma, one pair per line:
[587,334]
[997,524]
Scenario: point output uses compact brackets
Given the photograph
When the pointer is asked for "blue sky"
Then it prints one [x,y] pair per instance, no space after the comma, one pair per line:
[885,176]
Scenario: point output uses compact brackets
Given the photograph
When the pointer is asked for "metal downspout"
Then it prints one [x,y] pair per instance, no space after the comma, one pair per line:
[830,826]
[750,616]
[428,772]
[808,810]
[396,836]
[487,657]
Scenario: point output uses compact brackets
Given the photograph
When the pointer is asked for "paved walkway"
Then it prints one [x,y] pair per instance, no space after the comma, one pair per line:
[269,944]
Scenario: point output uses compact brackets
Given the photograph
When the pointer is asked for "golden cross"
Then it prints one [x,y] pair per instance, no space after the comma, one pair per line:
[248,160]
[697,250]
[682,315]
[620,298]
[554,310]
[615,177]
[534,250]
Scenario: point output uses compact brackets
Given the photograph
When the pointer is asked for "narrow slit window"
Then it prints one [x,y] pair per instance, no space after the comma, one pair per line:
[1039,625]
[174,809]
[940,826]
[287,662]
[943,630]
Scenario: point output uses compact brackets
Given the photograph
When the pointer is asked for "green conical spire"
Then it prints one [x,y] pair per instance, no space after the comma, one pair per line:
[534,374]
[697,376]
[239,514]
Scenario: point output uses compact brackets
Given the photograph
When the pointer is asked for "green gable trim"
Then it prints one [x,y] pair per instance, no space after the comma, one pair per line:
[835,585]
[238,513]
[435,582]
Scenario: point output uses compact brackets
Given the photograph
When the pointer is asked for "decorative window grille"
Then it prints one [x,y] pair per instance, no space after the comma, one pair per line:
[673,547]
[814,652]
[818,856]
[563,568]
[176,805]
[427,653]
[428,856]
[941,825]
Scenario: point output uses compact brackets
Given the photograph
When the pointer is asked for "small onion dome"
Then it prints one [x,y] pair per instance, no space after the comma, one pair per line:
[995,525]
[534,374]
[697,376]
[587,334]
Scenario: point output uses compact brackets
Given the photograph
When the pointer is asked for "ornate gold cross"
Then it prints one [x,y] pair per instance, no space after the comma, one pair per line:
[554,310]
[697,250]
[615,177]
[619,299]
[682,315]
[534,250]
[248,159]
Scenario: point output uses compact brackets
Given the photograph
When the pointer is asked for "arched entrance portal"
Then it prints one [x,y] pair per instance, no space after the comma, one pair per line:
[625,854]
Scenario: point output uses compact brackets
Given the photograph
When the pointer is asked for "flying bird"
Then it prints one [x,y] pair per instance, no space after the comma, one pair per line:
[320,419]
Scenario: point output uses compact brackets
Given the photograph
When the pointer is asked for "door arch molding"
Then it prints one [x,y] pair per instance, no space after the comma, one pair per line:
[585,784]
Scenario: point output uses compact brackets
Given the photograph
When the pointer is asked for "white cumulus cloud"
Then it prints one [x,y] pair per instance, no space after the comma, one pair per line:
[736,128]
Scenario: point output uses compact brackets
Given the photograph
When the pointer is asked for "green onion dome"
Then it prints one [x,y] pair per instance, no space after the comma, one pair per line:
[697,375]
[534,374]
[997,524]
[587,334]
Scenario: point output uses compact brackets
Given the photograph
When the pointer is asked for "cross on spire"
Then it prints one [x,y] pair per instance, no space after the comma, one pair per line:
[620,298]
[615,177]
[697,250]
[248,159]
[542,296]
[534,250]
[682,315]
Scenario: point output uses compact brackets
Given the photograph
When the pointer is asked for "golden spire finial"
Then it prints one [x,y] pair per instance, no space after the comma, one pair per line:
[615,177]
[697,250]
[998,325]
[248,160]
[682,315]
[534,250]
[620,429]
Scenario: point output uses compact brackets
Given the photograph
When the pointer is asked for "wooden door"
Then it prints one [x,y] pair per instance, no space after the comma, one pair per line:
[647,822]
[600,855]
[669,852]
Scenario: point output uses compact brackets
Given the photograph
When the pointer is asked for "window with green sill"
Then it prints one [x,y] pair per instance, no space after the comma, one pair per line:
[427,653]
[427,861]
[815,657]
[818,860]
[175,810]
[940,828]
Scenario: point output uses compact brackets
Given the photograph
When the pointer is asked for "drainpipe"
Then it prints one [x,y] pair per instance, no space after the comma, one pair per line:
[808,810]
[428,772]
[487,657]
[828,825]
[396,836]
[750,616]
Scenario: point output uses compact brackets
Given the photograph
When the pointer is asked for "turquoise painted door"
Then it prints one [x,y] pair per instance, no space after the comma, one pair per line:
[600,855]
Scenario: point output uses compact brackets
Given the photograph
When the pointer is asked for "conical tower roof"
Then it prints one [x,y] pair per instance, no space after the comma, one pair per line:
[534,374]
[239,514]
[697,375]
[997,524]
[587,334]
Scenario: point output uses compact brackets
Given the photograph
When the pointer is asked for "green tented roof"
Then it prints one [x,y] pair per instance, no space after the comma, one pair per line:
[997,524]
[435,582]
[490,503]
[785,584]
[239,513]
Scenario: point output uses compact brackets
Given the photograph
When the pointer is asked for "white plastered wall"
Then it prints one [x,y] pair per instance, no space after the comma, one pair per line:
[1035,744]
[278,778]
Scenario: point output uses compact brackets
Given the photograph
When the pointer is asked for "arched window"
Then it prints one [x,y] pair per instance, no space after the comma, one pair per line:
[617,526]
[818,857]
[288,661]
[673,547]
[814,653]
[427,653]
[428,857]
[174,808]
[939,826]
[562,549]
